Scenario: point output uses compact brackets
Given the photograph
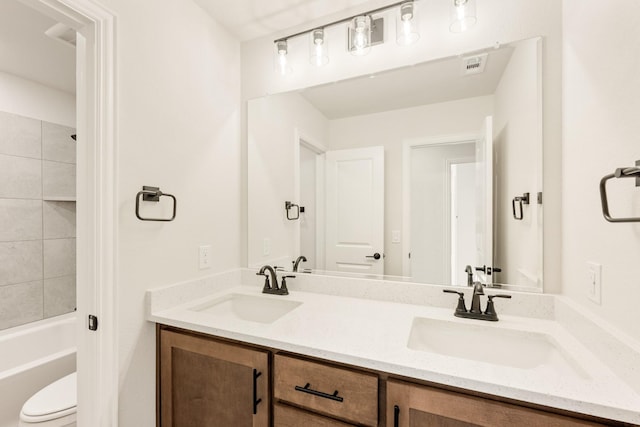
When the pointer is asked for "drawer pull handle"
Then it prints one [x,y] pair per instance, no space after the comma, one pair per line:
[256,401]
[306,389]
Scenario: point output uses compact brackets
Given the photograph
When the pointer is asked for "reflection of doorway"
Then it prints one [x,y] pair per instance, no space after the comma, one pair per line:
[442,218]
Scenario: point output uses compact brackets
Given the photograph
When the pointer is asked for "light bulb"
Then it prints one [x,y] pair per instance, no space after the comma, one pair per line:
[318,48]
[281,60]
[407,31]
[360,35]
[463,15]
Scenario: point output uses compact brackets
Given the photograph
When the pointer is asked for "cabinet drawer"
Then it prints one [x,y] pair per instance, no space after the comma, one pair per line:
[343,393]
[287,416]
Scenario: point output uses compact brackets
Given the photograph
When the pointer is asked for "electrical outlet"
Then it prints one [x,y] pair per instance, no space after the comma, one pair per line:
[205,257]
[266,247]
[395,236]
[594,282]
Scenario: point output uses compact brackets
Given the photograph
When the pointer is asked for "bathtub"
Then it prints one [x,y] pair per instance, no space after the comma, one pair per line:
[32,356]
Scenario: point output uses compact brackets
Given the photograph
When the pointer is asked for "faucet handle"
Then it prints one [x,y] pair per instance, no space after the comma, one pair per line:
[267,285]
[461,308]
[491,310]
[283,285]
[491,297]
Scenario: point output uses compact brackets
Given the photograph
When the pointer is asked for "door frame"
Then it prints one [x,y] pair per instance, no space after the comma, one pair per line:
[97,216]
[407,148]
[300,137]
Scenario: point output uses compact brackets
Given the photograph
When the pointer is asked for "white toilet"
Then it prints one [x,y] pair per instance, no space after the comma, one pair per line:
[53,406]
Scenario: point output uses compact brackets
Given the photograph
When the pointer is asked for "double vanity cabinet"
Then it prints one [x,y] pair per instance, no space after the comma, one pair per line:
[211,381]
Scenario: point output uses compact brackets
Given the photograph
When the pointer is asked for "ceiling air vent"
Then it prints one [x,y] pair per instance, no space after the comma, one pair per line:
[63,34]
[474,64]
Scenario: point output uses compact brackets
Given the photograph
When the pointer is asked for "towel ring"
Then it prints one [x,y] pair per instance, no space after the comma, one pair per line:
[632,172]
[153,194]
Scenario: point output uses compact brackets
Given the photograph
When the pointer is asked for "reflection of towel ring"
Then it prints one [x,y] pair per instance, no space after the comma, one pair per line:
[288,206]
[521,200]
[632,172]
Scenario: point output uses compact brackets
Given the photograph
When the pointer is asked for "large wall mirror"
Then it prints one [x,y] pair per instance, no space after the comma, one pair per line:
[414,173]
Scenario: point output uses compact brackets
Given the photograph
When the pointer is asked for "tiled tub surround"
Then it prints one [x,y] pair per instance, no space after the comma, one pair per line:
[37,220]
[367,323]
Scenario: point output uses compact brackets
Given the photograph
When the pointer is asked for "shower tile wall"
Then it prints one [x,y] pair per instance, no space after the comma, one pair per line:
[37,220]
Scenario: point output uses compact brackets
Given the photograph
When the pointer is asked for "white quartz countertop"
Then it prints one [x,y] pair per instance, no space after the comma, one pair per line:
[375,335]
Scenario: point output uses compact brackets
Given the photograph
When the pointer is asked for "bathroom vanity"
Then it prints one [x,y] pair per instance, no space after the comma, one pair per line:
[320,359]
[203,378]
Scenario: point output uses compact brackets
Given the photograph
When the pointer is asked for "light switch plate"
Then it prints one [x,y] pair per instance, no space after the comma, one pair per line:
[395,236]
[204,257]
[594,282]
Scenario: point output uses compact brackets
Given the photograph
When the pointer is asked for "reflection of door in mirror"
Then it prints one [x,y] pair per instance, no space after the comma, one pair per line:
[355,210]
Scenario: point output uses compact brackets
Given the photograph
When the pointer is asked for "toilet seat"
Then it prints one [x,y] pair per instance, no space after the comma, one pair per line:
[54,405]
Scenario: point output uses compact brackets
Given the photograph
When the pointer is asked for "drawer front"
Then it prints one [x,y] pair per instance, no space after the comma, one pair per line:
[287,416]
[339,392]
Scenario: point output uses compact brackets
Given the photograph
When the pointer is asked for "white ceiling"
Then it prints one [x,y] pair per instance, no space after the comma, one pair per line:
[25,50]
[427,83]
[250,19]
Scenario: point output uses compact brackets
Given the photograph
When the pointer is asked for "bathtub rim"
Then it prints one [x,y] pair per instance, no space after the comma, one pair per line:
[10,333]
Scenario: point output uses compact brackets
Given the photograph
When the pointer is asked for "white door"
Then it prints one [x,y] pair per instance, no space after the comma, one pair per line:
[484,199]
[355,210]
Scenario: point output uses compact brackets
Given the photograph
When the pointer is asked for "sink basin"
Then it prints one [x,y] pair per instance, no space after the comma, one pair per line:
[247,307]
[494,345]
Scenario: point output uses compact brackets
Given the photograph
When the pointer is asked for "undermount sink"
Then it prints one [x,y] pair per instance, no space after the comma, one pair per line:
[247,307]
[492,344]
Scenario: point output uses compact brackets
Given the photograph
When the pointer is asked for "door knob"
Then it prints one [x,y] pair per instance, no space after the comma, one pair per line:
[374,256]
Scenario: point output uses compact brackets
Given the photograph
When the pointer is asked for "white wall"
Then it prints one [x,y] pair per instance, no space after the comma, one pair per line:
[391,130]
[517,133]
[178,104]
[30,99]
[498,21]
[601,101]
[272,156]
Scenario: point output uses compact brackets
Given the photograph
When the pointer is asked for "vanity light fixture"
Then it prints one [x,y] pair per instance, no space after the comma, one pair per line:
[282,64]
[363,31]
[360,35]
[463,15]
[318,48]
[407,32]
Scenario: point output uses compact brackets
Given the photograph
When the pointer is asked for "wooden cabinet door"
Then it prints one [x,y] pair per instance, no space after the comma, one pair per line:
[411,405]
[208,383]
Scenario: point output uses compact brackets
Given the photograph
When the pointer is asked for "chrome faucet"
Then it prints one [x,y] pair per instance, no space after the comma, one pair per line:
[273,288]
[296,263]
